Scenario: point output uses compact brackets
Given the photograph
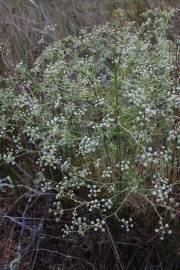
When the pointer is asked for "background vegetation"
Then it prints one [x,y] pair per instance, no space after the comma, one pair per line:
[28,26]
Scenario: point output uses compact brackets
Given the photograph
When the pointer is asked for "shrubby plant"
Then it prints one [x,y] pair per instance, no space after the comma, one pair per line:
[95,123]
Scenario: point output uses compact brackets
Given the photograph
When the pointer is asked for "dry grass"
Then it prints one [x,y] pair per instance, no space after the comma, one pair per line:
[24,22]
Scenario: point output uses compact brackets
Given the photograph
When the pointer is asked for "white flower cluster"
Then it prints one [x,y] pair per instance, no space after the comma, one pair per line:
[107,173]
[135,96]
[46,184]
[125,165]
[100,101]
[57,210]
[94,190]
[84,173]
[29,104]
[48,156]
[33,133]
[163,229]
[88,145]
[174,136]
[173,207]
[175,97]
[111,188]
[65,165]
[98,225]
[18,144]
[102,205]
[155,157]
[162,189]
[78,225]
[150,112]
[8,157]
[79,112]
[3,131]
[146,115]
[81,224]
[127,224]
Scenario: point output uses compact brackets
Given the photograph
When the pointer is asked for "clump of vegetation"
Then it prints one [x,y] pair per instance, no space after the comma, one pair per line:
[95,127]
